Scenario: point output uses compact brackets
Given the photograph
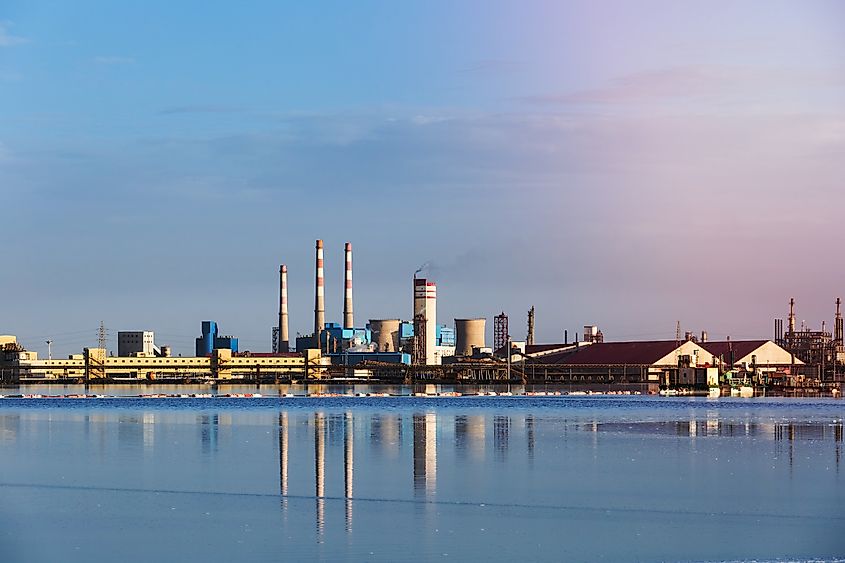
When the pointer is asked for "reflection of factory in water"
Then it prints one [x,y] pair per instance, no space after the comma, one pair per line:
[789,433]
[334,436]
[425,452]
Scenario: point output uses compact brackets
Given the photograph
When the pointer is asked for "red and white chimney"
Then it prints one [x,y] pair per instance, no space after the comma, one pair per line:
[319,296]
[347,292]
[284,339]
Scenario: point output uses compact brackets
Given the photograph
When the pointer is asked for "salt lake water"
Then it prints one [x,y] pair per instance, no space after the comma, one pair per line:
[404,479]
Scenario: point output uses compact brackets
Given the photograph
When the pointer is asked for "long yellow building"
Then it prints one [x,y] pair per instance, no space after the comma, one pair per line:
[17,363]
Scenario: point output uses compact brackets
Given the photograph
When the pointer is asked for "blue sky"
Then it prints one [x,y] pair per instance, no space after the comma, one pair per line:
[618,163]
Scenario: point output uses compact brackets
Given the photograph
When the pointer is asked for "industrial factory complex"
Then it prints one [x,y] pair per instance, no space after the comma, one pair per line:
[418,348]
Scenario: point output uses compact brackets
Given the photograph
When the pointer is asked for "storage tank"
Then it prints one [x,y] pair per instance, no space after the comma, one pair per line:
[385,334]
[469,333]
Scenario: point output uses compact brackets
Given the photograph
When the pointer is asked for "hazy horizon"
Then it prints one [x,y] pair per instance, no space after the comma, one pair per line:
[619,164]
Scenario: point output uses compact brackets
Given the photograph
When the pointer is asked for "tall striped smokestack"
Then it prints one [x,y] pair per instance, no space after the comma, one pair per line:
[284,339]
[347,292]
[319,296]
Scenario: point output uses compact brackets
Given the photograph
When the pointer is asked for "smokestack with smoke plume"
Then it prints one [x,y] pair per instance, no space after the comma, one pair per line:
[420,269]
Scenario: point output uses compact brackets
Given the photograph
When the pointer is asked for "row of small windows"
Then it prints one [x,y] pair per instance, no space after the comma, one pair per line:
[269,361]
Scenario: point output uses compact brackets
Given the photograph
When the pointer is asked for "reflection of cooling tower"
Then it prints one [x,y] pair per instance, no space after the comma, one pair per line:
[425,304]
[469,333]
[385,334]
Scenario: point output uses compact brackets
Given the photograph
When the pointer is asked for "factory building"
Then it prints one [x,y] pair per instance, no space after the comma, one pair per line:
[816,347]
[211,340]
[356,358]
[763,354]
[592,334]
[137,343]
[93,363]
[444,340]
[445,336]
[655,362]
[336,338]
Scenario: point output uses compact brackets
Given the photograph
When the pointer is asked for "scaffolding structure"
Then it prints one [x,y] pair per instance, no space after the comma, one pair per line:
[418,354]
[500,331]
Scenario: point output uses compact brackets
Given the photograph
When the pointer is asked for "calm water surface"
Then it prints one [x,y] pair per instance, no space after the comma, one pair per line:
[389,479]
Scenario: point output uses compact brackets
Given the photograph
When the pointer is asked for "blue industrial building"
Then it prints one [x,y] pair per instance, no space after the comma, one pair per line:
[444,335]
[211,340]
[335,338]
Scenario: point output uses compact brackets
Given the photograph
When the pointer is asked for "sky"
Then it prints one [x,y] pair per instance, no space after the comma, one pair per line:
[624,164]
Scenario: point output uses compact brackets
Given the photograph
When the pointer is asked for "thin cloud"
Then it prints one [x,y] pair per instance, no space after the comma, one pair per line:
[695,82]
[6,37]
[113,60]
[199,108]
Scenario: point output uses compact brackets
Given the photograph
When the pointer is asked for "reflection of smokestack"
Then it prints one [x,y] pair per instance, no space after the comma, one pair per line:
[348,465]
[283,453]
[425,452]
[319,297]
[284,339]
[347,292]
[319,468]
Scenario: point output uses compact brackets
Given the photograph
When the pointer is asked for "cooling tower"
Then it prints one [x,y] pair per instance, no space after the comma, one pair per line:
[469,333]
[385,334]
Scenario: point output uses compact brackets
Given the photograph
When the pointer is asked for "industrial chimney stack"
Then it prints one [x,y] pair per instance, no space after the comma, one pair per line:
[791,315]
[284,339]
[347,292]
[319,297]
[425,309]
[837,325]
[529,340]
